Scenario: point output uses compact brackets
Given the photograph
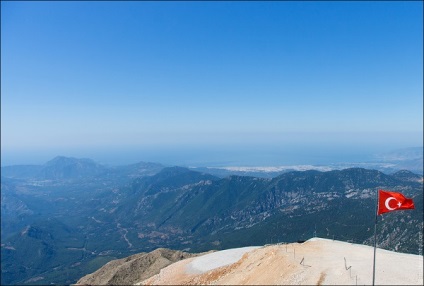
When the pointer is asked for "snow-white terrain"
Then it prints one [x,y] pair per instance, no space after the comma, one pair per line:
[314,262]
[217,259]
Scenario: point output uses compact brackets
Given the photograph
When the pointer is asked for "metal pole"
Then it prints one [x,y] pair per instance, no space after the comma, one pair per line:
[375,240]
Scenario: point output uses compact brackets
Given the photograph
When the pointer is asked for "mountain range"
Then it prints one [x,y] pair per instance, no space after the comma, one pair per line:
[68,217]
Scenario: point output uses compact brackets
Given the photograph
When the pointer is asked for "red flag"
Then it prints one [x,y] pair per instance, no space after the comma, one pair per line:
[392,201]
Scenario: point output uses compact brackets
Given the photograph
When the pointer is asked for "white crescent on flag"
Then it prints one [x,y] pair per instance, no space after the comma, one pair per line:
[386,203]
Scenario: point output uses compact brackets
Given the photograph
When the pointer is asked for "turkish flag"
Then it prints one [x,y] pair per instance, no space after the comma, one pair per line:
[392,201]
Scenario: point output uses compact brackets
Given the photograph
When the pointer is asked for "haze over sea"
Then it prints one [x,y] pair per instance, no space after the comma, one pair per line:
[201,156]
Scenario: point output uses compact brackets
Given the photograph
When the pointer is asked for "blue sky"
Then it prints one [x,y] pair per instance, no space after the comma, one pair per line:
[187,79]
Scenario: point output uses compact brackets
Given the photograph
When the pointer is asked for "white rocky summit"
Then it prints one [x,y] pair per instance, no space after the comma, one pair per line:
[314,262]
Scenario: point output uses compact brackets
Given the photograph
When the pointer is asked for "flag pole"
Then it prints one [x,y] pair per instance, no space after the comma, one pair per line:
[375,239]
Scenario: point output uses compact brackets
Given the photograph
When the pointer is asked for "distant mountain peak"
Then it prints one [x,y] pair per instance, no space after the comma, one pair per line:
[62,160]
[62,167]
[406,175]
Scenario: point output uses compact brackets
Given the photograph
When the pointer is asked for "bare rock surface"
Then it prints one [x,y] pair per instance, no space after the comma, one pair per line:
[314,262]
[134,268]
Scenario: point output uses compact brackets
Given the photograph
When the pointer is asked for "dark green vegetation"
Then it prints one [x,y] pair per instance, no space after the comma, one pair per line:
[68,217]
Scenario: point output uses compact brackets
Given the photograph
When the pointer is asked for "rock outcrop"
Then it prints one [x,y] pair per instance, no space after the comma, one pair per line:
[134,268]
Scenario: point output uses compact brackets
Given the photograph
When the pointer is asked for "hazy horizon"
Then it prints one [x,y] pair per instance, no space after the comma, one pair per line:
[199,157]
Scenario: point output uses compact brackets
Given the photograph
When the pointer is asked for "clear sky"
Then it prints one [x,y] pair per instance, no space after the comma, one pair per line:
[185,79]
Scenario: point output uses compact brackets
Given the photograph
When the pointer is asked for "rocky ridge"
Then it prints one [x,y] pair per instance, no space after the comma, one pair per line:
[134,268]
